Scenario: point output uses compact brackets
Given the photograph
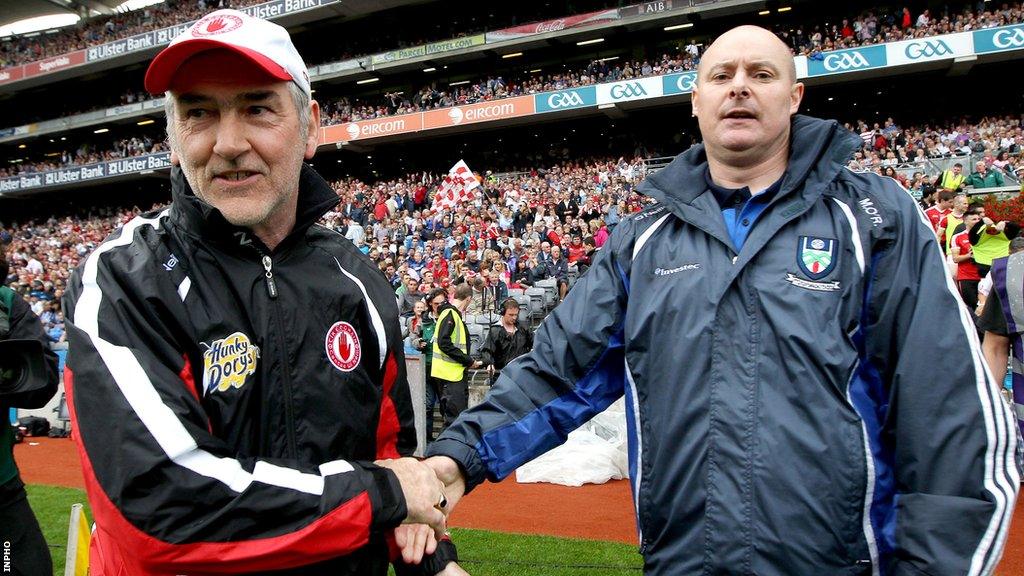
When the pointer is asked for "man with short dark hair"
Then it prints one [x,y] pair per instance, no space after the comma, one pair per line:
[962,253]
[943,206]
[952,179]
[235,374]
[505,341]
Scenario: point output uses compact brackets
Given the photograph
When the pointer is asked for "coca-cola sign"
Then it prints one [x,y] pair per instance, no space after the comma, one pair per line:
[552,25]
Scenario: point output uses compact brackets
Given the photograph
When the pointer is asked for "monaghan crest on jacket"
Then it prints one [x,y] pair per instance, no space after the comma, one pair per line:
[816,256]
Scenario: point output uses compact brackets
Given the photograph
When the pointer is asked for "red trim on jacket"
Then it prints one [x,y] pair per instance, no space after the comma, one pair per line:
[188,379]
[120,549]
[190,383]
[388,425]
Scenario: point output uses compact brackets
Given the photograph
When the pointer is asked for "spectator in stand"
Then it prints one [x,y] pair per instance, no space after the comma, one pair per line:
[984,177]
[409,297]
[522,276]
[951,179]
[421,336]
[506,340]
[1003,162]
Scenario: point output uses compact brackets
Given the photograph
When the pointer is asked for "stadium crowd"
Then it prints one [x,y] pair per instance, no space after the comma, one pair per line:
[522,227]
[887,146]
[24,48]
[871,26]
[88,154]
[510,236]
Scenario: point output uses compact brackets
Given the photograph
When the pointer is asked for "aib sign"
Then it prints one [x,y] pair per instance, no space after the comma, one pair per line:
[999,39]
[842,61]
[566,99]
[679,83]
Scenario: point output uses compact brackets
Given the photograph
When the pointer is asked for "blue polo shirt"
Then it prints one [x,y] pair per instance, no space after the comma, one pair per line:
[740,207]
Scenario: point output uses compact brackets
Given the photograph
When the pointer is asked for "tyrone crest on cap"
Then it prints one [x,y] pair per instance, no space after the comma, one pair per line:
[216,24]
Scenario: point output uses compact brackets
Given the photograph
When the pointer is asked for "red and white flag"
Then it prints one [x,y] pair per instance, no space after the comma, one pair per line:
[456,187]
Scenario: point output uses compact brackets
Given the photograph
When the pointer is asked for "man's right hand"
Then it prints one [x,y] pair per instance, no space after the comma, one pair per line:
[448,471]
[423,492]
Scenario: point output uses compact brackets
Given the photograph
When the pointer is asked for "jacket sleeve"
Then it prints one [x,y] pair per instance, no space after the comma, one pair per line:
[487,351]
[444,341]
[975,234]
[575,370]
[168,494]
[25,325]
[945,431]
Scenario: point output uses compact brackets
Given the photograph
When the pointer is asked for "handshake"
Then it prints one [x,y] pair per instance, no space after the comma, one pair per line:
[431,488]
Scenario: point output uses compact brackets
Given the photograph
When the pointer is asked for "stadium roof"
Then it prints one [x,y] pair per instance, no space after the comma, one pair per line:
[12,11]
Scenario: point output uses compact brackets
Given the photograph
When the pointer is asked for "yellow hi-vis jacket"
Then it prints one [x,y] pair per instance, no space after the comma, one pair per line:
[951,181]
[443,366]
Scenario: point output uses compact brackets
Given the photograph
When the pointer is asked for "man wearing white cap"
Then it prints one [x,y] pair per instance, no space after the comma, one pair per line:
[235,373]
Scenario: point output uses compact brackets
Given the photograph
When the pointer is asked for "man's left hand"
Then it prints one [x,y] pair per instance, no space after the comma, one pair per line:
[415,540]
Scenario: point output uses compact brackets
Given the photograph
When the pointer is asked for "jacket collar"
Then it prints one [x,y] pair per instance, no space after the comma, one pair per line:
[316,197]
[823,149]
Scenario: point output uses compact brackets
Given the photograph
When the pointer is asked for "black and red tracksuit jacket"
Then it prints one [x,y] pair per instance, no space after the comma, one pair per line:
[229,400]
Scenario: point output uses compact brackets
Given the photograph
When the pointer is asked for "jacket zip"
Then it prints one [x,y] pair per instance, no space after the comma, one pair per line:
[268,265]
[289,408]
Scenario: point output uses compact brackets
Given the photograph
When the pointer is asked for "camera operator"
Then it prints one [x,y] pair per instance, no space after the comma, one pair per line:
[29,554]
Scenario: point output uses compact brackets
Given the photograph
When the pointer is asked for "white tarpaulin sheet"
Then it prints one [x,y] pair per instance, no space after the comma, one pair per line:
[594,453]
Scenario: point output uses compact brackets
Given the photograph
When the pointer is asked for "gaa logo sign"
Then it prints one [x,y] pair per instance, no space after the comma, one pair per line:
[565,100]
[845,61]
[634,90]
[927,49]
[686,82]
[1009,38]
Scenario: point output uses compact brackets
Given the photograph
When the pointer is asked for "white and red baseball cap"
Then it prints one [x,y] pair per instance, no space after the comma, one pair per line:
[264,43]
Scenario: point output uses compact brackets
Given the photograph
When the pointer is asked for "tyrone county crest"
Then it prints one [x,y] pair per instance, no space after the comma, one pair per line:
[342,344]
[816,256]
